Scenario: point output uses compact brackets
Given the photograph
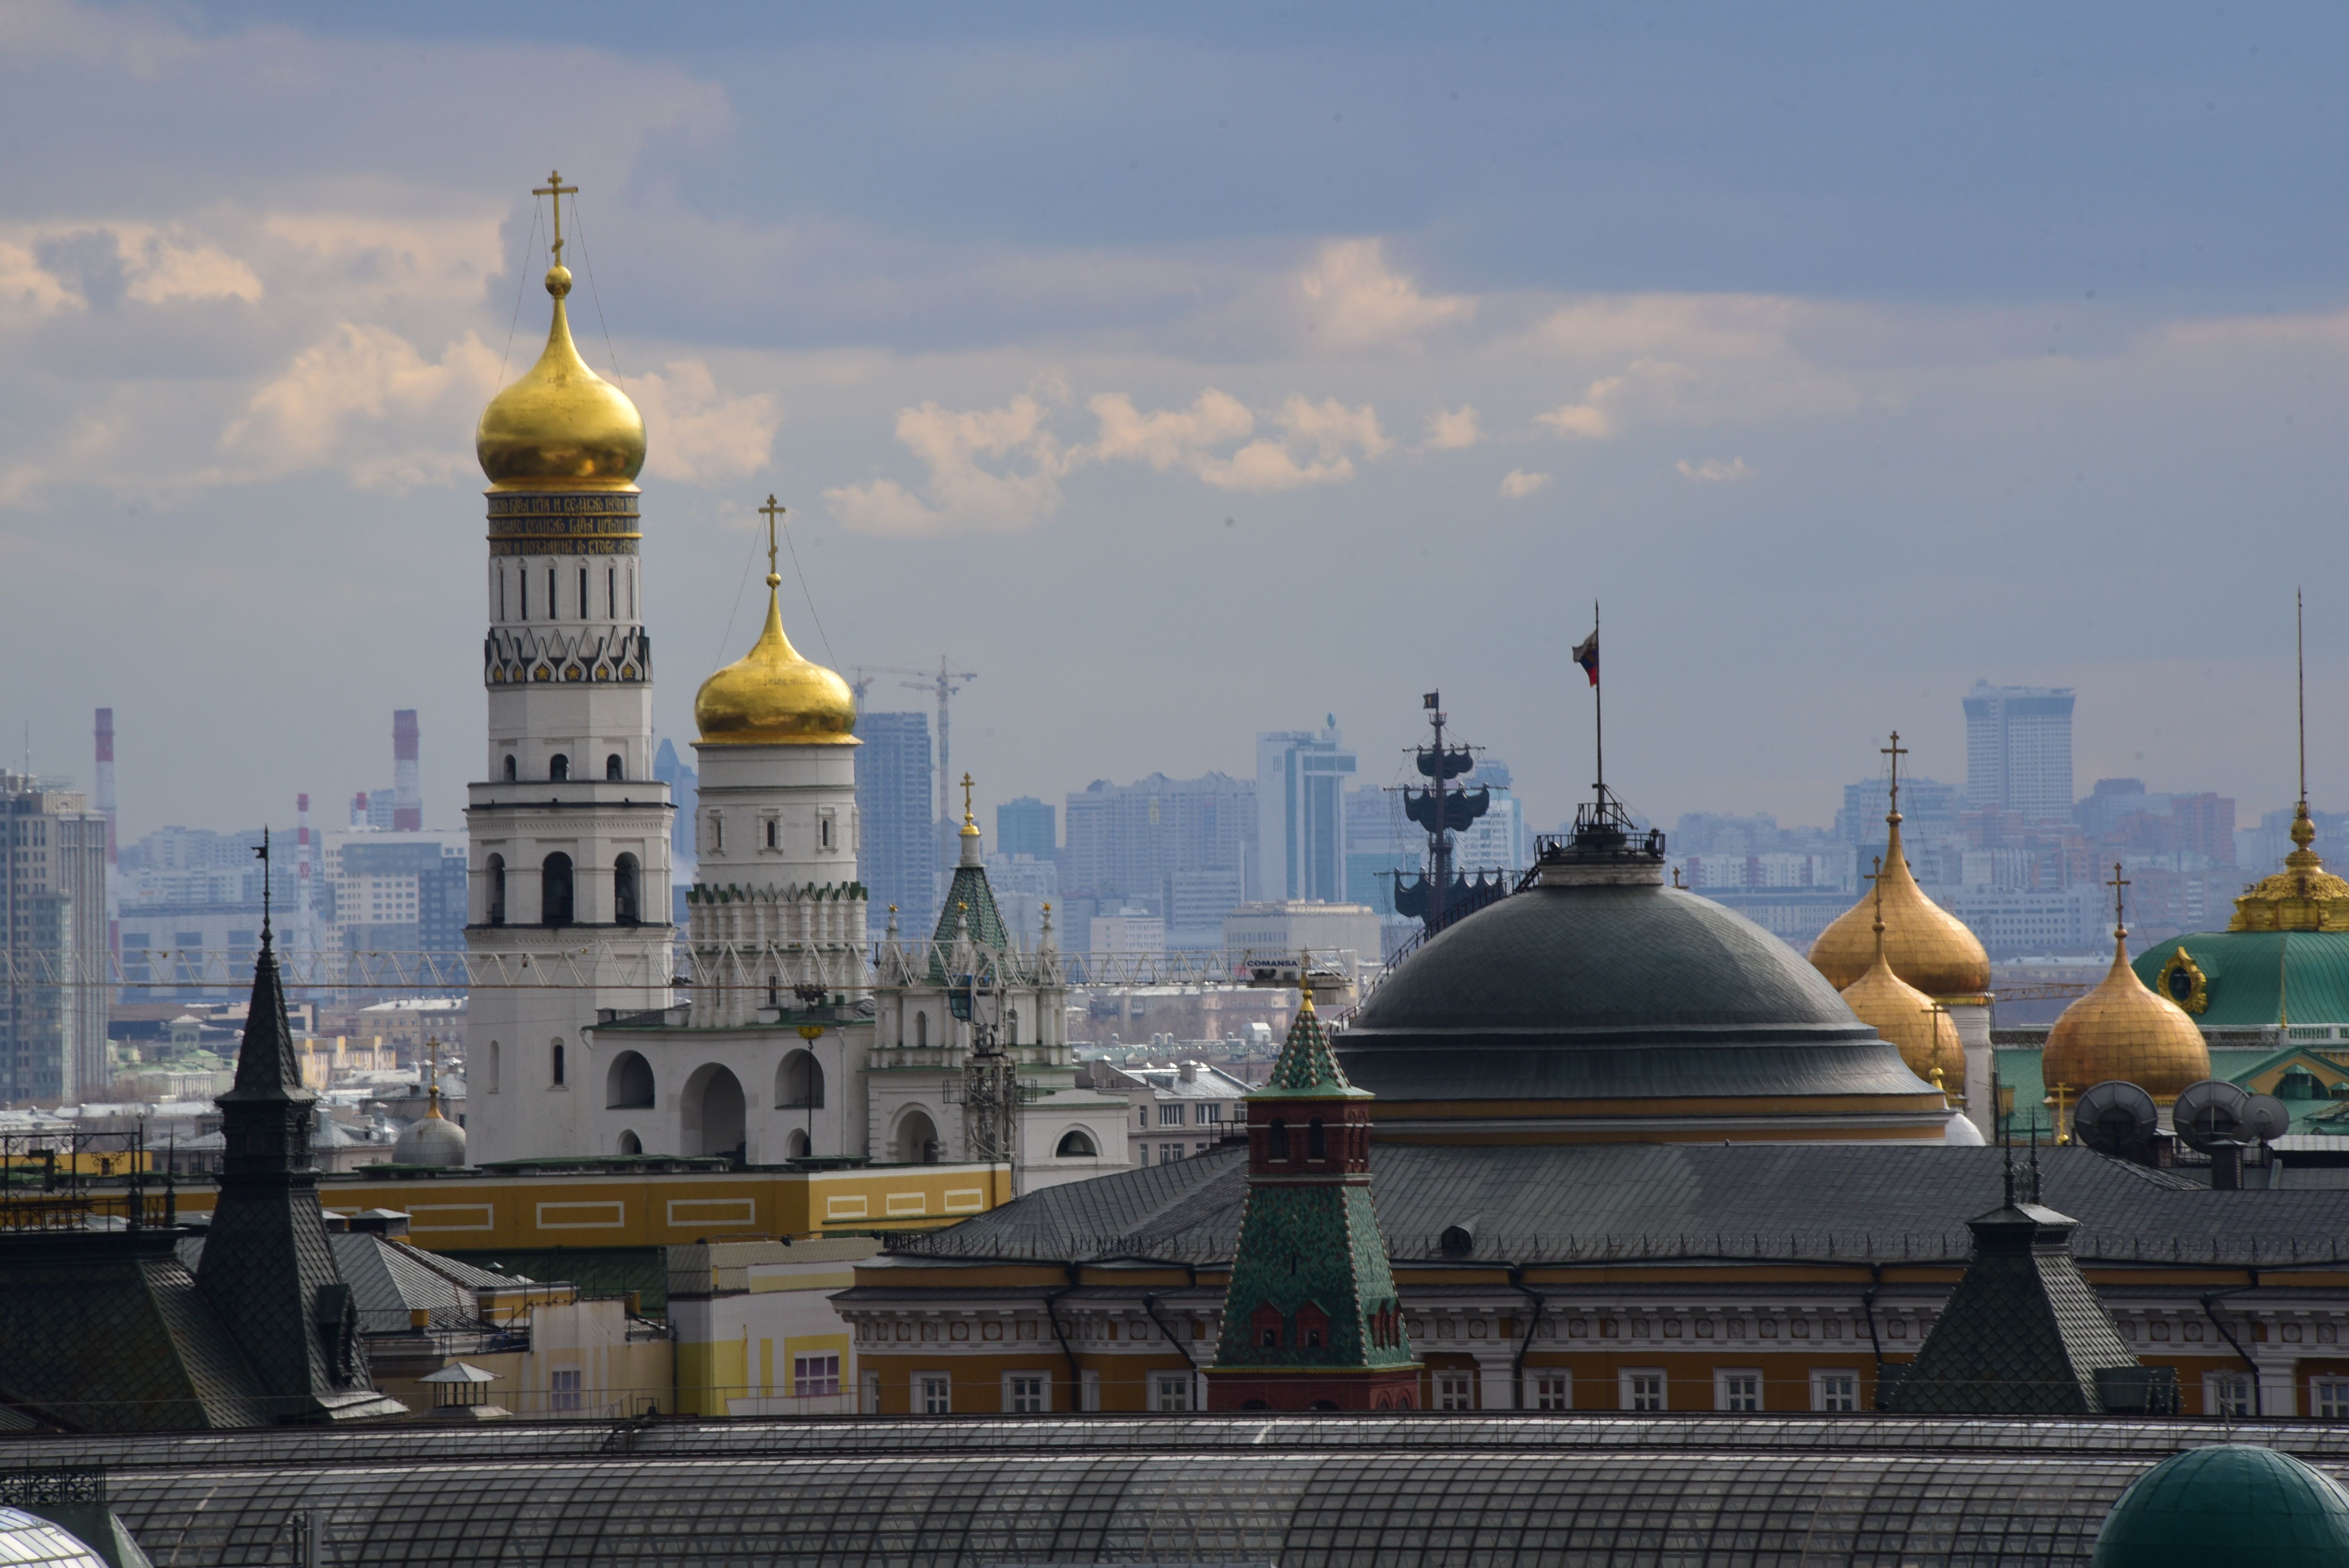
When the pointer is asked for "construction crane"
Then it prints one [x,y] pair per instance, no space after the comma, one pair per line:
[942,686]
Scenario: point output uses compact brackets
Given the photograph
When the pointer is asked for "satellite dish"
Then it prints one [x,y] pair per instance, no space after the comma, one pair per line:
[2211,1115]
[2115,1117]
[2268,1117]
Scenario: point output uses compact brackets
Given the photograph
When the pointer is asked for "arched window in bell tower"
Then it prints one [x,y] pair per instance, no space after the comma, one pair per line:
[550,595]
[555,890]
[497,900]
[625,904]
[558,767]
[584,611]
[611,770]
[510,767]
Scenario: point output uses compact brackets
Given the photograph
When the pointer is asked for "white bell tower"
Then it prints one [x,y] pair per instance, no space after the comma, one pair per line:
[570,831]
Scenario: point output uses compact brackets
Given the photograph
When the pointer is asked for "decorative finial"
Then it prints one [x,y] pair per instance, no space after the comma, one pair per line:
[2299,662]
[969,822]
[263,853]
[1894,751]
[772,511]
[554,186]
[2120,927]
[1875,881]
[1305,991]
[966,797]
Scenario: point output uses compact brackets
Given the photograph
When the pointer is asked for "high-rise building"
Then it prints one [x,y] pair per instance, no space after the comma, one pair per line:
[406,792]
[2019,750]
[1027,827]
[1126,840]
[897,857]
[53,899]
[395,893]
[568,826]
[1300,790]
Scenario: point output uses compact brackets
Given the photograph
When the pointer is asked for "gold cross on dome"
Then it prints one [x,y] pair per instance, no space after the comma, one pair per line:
[2116,884]
[1894,751]
[966,798]
[771,513]
[555,188]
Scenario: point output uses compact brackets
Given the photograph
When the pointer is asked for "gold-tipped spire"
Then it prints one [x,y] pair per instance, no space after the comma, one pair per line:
[772,695]
[2303,896]
[969,822]
[2122,1030]
[560,427]
[1926,945]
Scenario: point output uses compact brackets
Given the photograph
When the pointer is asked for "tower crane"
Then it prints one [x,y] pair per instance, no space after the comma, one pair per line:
[942,684]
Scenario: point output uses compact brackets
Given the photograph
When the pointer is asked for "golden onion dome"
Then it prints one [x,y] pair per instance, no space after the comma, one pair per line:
[1927,1038]
[2122,1030]
[2303,896]
[1927,945]
[772,696]
[561,427]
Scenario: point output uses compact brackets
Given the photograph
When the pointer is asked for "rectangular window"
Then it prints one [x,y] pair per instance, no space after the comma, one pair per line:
[933,1391]
[2229,1394]
[550,593]
[1554,1391]
[870,1404]
[1170,1115]
[813,1375]
[1173,1391]
[524,577]
[1642,1390]
[611,593]
[1169,1152]
[562,1388]
[1455,1391]
[1737,1390]
[1211,1113]
[583,612]
[1834,1390]
[502,593]
[1024,1394]
[2328,1399]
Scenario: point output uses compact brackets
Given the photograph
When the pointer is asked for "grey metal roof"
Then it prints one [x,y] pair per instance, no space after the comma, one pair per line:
[1584,992]
[1667,1200]
[391,1279]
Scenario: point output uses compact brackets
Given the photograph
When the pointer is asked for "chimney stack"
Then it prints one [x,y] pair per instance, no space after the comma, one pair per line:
[305,938]
[407,799]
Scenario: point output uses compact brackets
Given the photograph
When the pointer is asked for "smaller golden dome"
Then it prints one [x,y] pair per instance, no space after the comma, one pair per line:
[1905,1016]
[2122,1030]
[2303,896]
[561,427]
[1927,945]
[772,696]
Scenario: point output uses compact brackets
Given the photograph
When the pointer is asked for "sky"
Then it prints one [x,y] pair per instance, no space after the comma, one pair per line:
[1188,372]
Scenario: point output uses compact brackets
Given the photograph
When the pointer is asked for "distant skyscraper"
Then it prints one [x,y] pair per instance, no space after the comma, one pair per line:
[407,793]
[897,856]
[1126,839]
[53,899]
[1027,827]
[1300,790]
[2019,750]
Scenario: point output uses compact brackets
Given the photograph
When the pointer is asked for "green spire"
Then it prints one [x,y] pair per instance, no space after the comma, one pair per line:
[1307,1068]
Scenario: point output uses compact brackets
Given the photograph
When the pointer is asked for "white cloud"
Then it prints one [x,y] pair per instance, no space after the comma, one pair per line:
[1587,420]
[1316,445]
[1713,470]
[162,268]
[1453,431]
[1519,483]
[962,492]
[27,289]
[448,258]
[693,432]
[1358,302]
[364,400]
[1167,437]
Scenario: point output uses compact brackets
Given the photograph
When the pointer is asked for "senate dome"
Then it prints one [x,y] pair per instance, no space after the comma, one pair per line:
[774,697]
[1600,1005]
[561,427]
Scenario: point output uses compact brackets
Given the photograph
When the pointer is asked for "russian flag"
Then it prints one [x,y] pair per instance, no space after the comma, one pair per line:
[1585,654]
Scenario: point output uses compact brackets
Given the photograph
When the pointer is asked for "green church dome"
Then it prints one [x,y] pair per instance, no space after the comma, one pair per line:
[2231,1504]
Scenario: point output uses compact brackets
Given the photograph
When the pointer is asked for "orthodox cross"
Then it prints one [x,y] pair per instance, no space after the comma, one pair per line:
[966,798]
[2116,884]
[262,851]
[1894,751]
[555,188]
[771,513]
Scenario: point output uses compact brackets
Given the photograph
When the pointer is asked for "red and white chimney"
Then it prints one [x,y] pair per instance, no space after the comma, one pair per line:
[106,804]
[407,799]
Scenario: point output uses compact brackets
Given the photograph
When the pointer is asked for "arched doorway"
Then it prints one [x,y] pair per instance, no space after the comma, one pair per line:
[796,1146]
[917,1139]
[712,1103]
[628,1082]
[1076,1144]
[798,1083]
[631,1144]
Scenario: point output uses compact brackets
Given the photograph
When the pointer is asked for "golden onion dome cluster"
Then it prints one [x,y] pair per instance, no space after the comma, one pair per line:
[772,695]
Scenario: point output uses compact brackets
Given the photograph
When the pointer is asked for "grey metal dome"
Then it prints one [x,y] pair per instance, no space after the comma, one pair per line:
[1567,991]
[431,1139]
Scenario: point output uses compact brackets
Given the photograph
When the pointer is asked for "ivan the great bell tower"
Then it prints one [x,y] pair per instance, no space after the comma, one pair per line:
[570,831]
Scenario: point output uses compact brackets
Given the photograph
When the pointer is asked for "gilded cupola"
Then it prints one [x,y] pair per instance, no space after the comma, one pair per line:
[1916,1024]
[1927,946]
[560,426]
[771,696]
[2122,1030]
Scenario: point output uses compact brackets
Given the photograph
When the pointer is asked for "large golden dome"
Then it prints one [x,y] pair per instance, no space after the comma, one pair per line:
[1927,945]
[561,427]
[1908,1017]
[2122,1030]
[772,696]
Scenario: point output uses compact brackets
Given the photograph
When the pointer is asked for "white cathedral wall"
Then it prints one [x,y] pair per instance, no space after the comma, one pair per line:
[684,1064]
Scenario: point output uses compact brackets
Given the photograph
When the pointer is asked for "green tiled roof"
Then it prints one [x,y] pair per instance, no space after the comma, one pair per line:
[2251,976]
[1307,1068]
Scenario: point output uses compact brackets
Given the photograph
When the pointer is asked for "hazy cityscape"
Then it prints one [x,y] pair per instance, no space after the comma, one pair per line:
[1234,786]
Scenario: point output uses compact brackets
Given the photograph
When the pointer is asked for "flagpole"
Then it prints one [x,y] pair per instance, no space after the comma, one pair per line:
[1599,710]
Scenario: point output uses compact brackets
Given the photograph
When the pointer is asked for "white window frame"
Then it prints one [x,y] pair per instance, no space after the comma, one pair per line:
[2229,1396]
[1632,1395]
[827,1364]
[871,1403]
[565,1388]
[1455,1389]
[933,1393]
[1170,1391]
[1822,1393]
[1088,1389]
[1552,1388]
[1170,1113]
[1021,1388]
[1731,1385]
[2328,1399]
